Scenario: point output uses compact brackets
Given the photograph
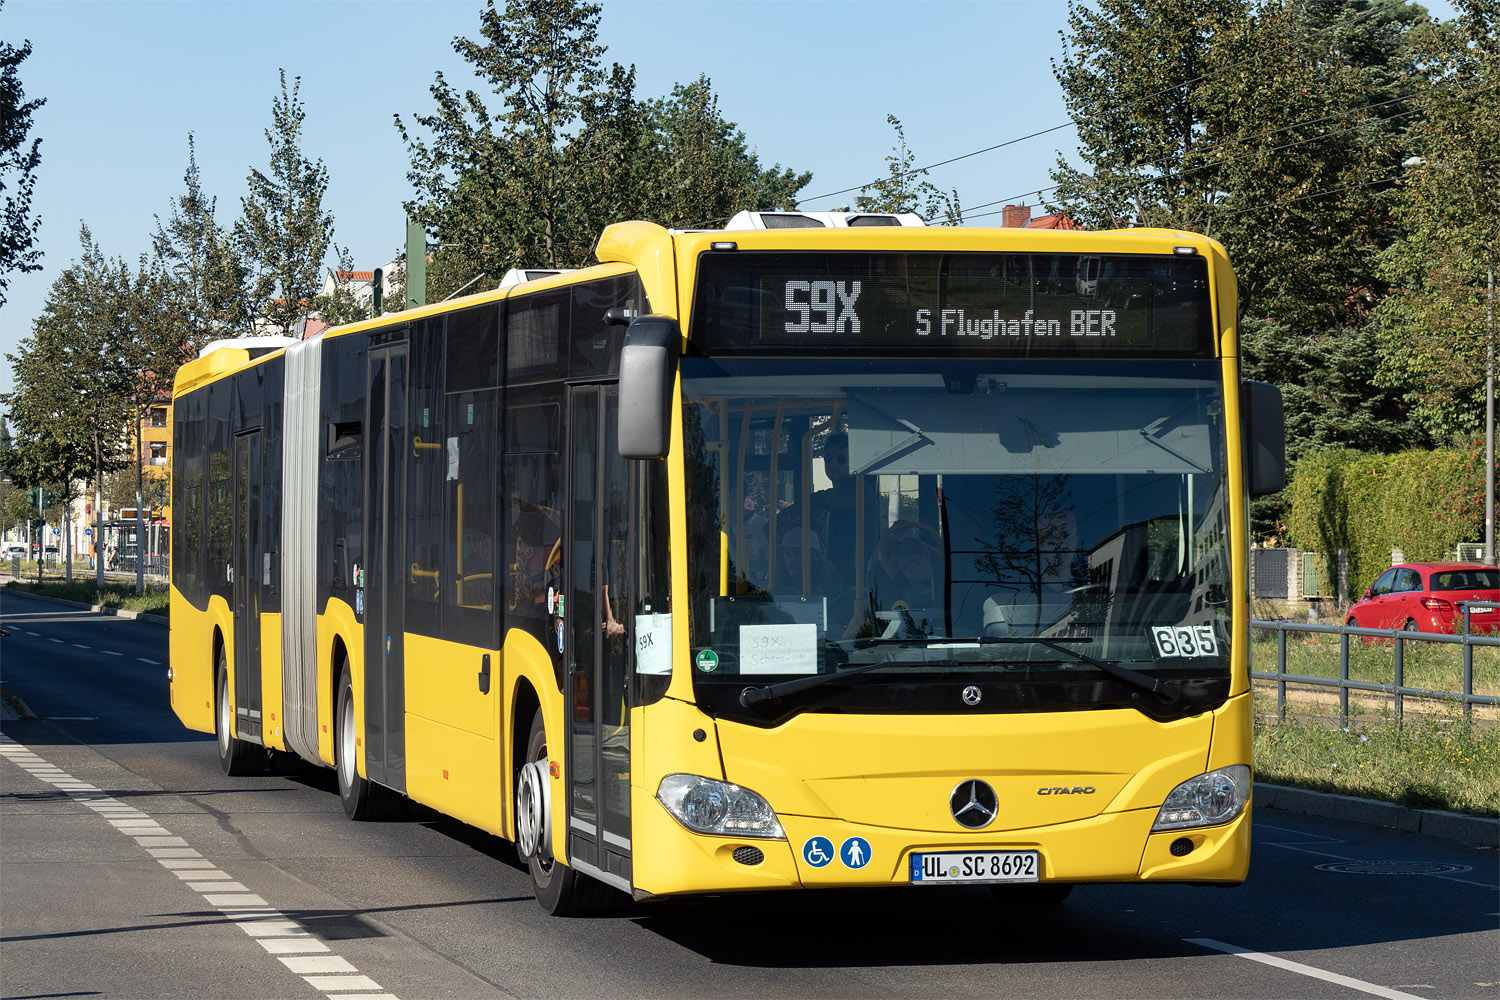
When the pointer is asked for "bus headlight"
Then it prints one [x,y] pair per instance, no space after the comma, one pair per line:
[704,805]
[1207,800]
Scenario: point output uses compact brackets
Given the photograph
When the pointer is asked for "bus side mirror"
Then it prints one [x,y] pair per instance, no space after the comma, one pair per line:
[648,371]
[1265,437]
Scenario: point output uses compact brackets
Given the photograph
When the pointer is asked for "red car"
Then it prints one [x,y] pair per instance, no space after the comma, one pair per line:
[1423,597]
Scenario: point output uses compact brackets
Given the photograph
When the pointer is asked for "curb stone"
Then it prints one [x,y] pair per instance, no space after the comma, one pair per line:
[1349,808]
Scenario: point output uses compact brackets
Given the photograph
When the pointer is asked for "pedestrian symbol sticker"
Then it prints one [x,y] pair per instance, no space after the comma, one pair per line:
[855,852]
[817,851]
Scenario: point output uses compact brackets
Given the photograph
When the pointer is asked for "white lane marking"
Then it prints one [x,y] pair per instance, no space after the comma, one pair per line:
[79,645]
[293,945]
[154,663]
[1301,970]
[58,641]
[110,652]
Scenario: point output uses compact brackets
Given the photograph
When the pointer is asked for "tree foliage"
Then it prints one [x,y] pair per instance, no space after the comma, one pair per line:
[284,231]
[1438,324]
[905,187]
[18,162]
[569,149]
[212,278]
[71,403]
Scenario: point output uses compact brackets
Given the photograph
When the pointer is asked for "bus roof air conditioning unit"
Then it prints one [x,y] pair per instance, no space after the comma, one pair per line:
[521,275]
[821,220]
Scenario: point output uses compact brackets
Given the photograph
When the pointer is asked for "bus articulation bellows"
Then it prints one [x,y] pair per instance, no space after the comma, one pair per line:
[822,550]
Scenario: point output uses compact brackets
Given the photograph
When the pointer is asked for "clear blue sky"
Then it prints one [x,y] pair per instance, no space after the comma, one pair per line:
[810,83]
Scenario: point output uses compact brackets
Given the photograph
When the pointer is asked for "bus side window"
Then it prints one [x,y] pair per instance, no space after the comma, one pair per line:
[427,463]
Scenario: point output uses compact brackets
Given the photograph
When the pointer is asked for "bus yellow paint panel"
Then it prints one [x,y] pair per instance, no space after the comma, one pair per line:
[190,650]
[676,861]
[442,684]
[1233,741]
[273,723]
[827,765]
[1220,853]
[454,772]
[337,626]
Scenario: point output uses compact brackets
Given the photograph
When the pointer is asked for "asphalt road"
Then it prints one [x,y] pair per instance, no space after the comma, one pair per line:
[131,867]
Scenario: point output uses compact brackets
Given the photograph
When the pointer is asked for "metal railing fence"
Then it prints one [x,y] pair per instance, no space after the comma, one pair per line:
[1399,638]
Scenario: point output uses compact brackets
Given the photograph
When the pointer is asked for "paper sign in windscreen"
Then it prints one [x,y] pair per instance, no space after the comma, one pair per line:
[779,649]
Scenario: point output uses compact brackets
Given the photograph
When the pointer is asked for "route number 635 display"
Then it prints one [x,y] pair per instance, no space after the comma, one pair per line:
[1184,640]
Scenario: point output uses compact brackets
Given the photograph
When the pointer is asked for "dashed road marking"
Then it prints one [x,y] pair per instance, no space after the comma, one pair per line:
[110,652]
[292,944]
[154,663]
[1302,970]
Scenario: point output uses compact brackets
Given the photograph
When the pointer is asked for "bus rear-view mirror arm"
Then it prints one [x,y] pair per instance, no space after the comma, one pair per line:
[648,371]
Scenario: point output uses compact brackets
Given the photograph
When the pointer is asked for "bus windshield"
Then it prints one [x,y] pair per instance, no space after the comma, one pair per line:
[958,527]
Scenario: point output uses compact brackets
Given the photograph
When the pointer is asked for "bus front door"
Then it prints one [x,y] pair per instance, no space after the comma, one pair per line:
[250,573]
[385,535]
[598,647]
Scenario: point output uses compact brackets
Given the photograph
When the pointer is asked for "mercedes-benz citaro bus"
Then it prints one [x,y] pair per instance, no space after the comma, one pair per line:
[822,550]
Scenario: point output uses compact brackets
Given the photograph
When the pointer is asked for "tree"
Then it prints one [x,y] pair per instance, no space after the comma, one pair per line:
[1438,323]
[18,230]
[1273,127]
[906,189]
[71,402]
[570,150]
[284,233]
[700,170]
[211,278]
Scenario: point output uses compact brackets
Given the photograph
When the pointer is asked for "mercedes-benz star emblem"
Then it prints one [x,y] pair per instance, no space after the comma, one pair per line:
[972,694]
[974,803]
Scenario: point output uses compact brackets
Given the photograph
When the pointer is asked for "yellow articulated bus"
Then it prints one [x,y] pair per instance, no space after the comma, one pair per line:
[821,550]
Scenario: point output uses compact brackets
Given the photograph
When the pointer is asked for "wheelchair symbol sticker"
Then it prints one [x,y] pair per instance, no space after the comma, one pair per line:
[855,852]
[818,851]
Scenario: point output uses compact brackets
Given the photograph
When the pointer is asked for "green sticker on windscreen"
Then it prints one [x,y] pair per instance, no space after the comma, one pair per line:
[708,660]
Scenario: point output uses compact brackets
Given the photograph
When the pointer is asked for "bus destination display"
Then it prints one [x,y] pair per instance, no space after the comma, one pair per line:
[1029,304]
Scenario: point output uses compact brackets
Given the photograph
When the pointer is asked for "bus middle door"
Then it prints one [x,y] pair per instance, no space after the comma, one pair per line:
[598,647]
[385,536]
[248,572]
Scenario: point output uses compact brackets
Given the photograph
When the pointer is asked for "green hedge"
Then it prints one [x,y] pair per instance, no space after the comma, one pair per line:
[1421,502]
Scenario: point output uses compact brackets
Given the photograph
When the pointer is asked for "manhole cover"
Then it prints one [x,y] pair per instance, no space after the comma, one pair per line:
[1392,868]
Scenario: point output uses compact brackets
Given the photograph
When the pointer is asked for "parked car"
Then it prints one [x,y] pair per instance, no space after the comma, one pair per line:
[1424,597]
[13,549]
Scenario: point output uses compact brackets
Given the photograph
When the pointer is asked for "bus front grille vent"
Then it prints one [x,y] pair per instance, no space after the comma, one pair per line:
[749,855]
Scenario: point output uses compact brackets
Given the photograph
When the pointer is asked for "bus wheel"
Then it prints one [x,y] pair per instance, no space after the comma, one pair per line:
[362,798]
[236,756]
[1032,894]
[560,890]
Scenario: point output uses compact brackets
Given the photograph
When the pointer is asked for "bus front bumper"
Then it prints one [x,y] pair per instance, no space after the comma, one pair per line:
[1113,847]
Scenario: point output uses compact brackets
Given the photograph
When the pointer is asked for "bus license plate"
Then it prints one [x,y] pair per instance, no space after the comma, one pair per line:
[954,867]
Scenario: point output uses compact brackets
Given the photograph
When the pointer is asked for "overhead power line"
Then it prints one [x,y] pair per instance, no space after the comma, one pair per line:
[1147,97]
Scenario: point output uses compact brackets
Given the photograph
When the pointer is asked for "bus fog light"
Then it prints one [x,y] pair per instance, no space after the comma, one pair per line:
[704,805]
[1207,800]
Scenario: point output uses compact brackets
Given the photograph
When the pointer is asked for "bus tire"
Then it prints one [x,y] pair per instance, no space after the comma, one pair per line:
[1032,893]
[236,756]
[363,799]
[560,890]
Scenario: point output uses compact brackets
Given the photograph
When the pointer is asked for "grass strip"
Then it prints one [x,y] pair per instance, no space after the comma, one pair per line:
[1430,761]
[153,601]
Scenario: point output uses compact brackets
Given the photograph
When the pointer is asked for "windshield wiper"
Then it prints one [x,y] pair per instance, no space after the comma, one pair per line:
[1171,704]
[754,696]
[1165,690]
[1170,694]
